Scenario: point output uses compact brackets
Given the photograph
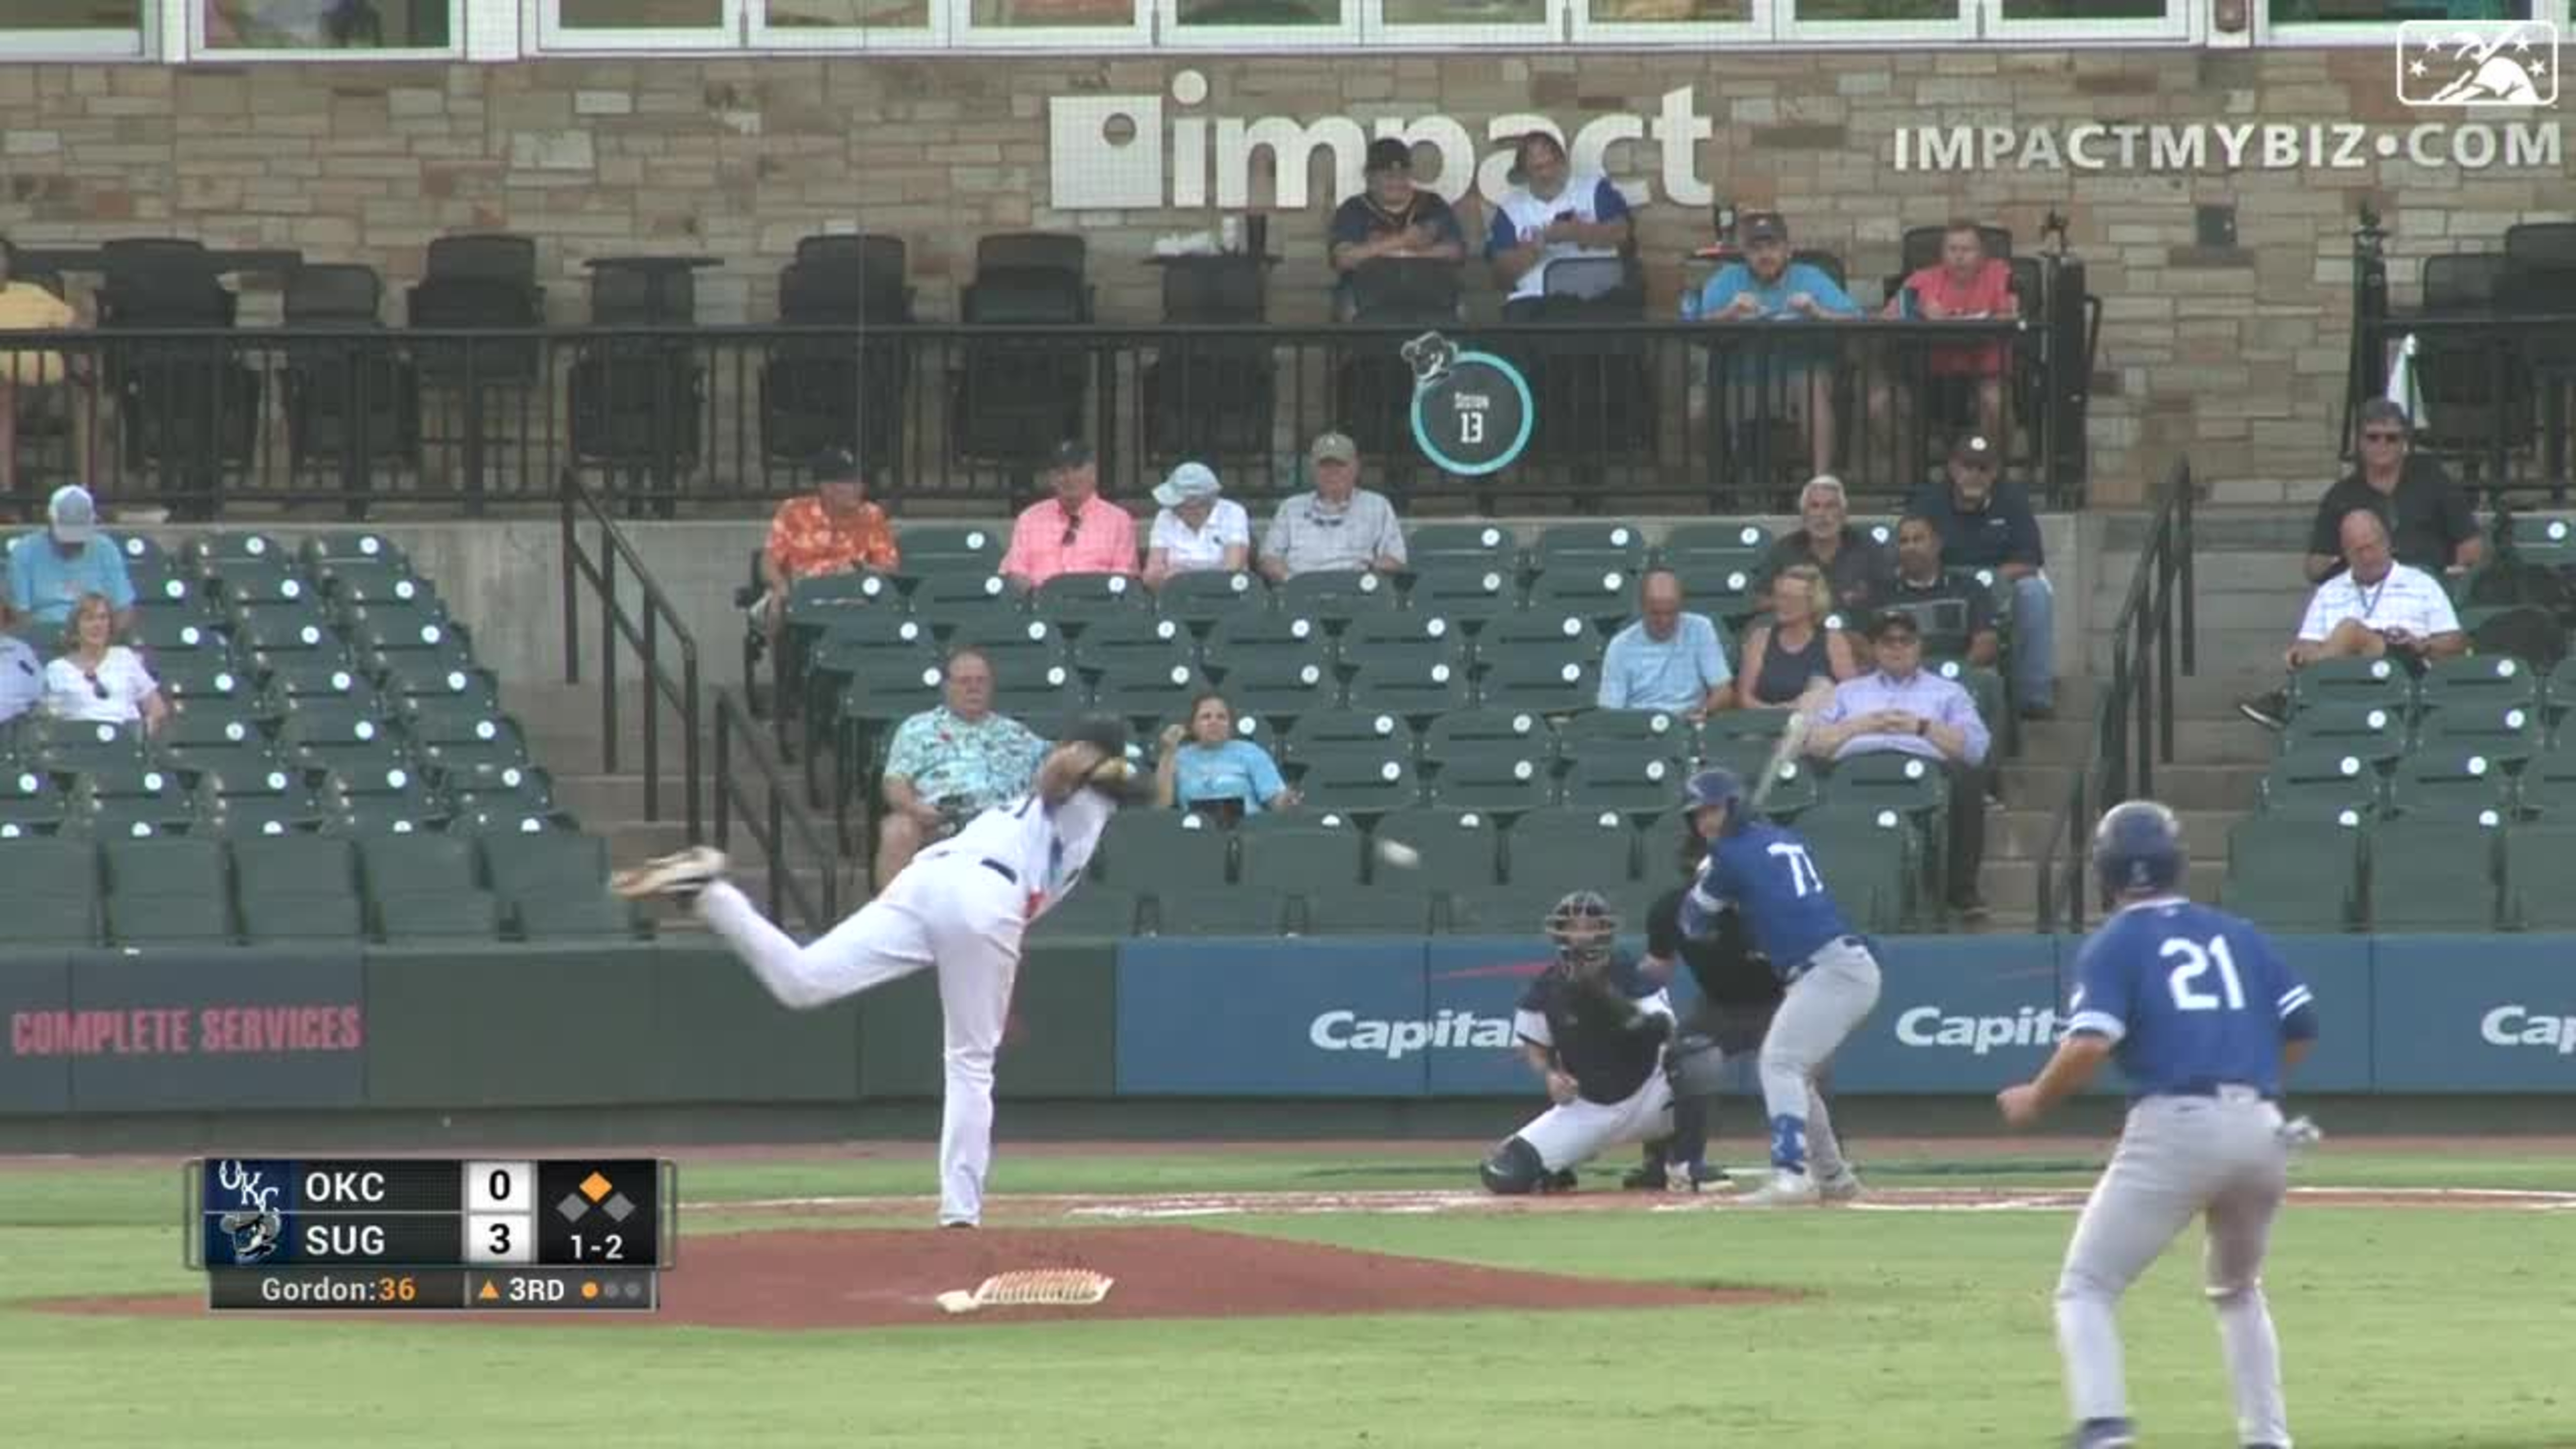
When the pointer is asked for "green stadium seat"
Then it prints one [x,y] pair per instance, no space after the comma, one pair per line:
[1604,593]
[936,548]
[1469,592]
[357,585]
[339,736]
[1337,729]
[274,581]
[1729,727]
[284,628]
[1013,643]
[958,591]
[955,621]
[518,864]
[1867,858]
[1487,545]
[526,788]
[2547,787]
[1637,780]
[1528,681]
[1496,777]
[416,863]
[1406,639]
[403,629]
[1046,700]
[1146,694]
[2321,784]
[1144,850]
[1301,852]
[1234,911]
[1525,731]
[578,915]
[2375,733]
[1133,640]
[30,797]
[2558,690]
[328,671]
[1074,601]
[1417,691]
[2486,679]
[169,865]
[1889,780]
[1279,691]
[295,865]
[2505,731]
[2540,876]
[2352,681]
[1985,689]
[165,632]
[203,679]
[1456,850]
[1333,598]
[1378,910]
[426,670]
[2452,785]
[890,685]
[323,552]
[169,919]
[1628,732]
[270,919]
[1590,546]
[1799,789]
[1240,638]
[73,747]
[215,551]
[2294,873]
[1095,911]
[50,920]
[1740,544]
[1203,598]
[821,603]
[46,869]
[1554,849]
[266,813]
[2434,875]
[1551,632]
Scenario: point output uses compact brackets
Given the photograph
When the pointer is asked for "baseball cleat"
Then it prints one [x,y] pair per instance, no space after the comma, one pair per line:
[1692,1176]
[1785,1189]
[2103,1434]
[1843,1186]
[679,875]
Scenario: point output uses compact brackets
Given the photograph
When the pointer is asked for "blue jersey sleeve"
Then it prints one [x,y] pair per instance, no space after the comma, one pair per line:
[2291,999]
[1712,891]
[1607,203]
[2104,980]
[1502,236]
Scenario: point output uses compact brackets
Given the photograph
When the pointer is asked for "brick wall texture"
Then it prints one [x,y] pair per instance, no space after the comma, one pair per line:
[2237,356]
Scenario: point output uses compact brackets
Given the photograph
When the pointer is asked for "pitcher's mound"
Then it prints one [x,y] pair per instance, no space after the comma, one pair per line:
[858,1279]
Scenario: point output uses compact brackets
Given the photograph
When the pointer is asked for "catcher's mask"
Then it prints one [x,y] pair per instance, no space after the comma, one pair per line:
[1582,926]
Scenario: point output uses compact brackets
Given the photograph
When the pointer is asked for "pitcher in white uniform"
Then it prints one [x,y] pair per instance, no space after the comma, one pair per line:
[961,906]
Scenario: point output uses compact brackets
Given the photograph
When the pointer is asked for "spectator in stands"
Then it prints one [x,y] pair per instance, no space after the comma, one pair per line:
[1197,528]
[2377,608]
[1340,527]
[833,532]
[1076,532]
[1856,565]
[97,680]
[70,559]
[1392,217]
[1764,380]
[1555,213]
[1985,524]
[1904,708]
[1965,285]
[1958,615]
[1668,659]
[26,307]
[1794,661]
[2425,510]
[948,764]
[22,676]
[1207,767]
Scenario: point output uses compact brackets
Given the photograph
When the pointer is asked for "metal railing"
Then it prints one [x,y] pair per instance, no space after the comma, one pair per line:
[770,812]
[2133,721]
[598,571]
[2495,393]
[207,421]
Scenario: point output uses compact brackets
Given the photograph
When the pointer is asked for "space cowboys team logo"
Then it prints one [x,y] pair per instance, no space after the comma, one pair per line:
[2448,63]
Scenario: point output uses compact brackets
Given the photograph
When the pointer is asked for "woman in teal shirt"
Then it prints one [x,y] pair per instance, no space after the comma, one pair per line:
[1206,767]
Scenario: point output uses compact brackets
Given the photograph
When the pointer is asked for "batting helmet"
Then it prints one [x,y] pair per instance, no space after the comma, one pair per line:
[2138,847]
[1582,924]
[1716,786]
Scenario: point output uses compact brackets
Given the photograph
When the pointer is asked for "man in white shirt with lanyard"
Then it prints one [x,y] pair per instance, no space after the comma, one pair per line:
[2377,608]
[960,906]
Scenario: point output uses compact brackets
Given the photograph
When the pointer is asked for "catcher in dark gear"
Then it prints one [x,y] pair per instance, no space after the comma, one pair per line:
[1594,1031]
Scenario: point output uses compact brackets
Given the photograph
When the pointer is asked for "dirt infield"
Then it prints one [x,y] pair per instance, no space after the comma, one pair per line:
[871,1279]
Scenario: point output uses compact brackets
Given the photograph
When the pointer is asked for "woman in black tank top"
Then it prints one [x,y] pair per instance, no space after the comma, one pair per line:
[1786,658]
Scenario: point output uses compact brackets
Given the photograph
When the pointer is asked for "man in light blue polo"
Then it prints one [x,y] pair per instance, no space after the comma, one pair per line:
[1667,660]
[1904,708]
[50,570]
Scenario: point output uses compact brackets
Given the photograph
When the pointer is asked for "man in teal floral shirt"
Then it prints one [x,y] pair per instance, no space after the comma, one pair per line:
[951,763]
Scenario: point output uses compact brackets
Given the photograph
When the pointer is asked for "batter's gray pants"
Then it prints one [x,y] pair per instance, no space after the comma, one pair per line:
[2179,1158]
[1821,1010]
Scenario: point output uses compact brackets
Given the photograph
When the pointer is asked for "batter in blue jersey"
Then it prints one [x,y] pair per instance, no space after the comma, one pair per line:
[2202,1016]
[1831,979]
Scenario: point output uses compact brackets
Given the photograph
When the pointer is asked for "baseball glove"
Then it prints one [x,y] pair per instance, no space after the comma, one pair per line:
[1122,781]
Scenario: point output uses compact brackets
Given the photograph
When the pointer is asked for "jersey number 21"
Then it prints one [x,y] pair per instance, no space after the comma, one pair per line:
[2196,960]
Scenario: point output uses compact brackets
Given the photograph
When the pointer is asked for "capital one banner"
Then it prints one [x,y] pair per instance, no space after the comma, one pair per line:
[1312,1018]
[1956,1014]
[2475,1014]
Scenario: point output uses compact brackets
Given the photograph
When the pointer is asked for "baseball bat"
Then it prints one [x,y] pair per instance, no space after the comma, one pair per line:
[1792,740]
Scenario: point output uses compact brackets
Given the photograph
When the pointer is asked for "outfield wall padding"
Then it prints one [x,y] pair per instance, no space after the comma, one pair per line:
[185,1030]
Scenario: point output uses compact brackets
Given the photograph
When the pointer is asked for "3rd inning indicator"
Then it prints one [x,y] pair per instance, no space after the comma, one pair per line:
[581,1234]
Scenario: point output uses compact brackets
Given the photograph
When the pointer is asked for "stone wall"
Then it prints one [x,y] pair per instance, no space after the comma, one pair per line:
[2236,354]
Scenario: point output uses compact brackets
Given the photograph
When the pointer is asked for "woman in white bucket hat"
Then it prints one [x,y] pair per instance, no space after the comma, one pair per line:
[1198,528]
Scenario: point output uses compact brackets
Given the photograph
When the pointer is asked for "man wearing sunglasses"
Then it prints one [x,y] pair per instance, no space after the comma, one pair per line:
[1075,532]
[2428,517]
[1340,527]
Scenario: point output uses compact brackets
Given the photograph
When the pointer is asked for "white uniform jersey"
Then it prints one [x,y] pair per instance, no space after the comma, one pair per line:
[1046,850]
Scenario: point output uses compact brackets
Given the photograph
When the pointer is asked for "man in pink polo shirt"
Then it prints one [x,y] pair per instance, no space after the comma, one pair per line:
[1077,532]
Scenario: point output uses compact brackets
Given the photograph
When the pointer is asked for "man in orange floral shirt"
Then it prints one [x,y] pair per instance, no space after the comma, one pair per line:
[832,532]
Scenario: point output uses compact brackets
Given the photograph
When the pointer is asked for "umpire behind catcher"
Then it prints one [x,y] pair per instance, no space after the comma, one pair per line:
[1738,992]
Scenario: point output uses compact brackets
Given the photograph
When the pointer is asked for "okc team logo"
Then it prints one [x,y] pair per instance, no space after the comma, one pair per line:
[2465,63]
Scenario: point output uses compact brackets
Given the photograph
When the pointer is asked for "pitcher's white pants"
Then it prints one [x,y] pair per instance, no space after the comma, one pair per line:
[948,911]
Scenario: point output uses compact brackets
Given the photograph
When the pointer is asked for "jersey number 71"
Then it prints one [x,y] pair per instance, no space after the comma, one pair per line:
[1803,879]
[2196,962]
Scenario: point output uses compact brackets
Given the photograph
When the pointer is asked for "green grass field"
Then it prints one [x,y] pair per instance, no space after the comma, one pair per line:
[2402,1326]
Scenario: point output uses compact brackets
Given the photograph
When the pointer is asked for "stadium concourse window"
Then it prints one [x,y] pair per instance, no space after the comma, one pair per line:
[2376,22]
[577,25]
[1880,20]
[231,27]
[844,24]
[40,29]
[1671,21]
[1460,22]
[1054,24]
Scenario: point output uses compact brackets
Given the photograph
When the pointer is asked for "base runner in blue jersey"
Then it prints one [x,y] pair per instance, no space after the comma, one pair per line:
[1830,975]
[2203,1017]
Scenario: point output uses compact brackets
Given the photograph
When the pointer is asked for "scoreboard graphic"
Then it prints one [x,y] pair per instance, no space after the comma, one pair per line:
[580,1234]
[1472,411]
